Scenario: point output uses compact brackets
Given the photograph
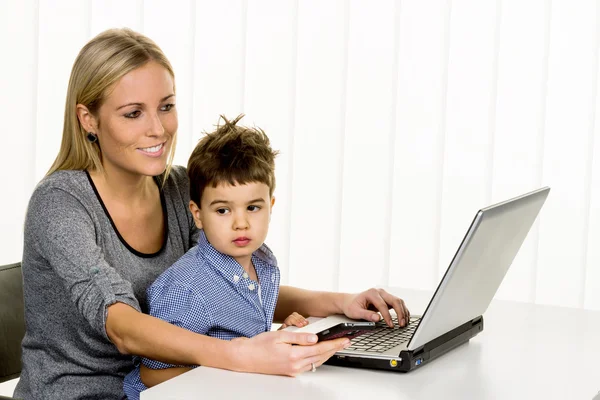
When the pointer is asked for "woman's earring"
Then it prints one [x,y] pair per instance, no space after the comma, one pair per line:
[91,137]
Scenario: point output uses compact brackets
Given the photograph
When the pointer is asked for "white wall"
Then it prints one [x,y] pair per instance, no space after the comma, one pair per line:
[7,388]
[396,121]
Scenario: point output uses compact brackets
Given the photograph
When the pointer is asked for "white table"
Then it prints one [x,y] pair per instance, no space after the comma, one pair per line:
[525,351]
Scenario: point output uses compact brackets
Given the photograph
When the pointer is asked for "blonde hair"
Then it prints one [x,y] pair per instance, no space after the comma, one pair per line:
[100,64]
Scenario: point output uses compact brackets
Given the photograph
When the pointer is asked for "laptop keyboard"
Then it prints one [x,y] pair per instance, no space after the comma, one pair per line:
[380,340]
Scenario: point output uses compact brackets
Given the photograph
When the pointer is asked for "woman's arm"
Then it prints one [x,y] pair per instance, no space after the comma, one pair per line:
[358,306]
[268,353]
[133,332]
[307,302]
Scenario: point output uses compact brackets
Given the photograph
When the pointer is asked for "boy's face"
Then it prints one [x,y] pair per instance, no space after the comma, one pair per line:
[235,218]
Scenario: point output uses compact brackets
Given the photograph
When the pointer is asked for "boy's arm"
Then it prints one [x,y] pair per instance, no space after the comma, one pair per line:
[151,377]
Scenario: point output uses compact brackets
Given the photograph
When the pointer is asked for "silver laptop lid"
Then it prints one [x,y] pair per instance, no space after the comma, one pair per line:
[477,269]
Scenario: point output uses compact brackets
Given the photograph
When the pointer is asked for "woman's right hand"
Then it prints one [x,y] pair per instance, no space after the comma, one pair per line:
[273,352]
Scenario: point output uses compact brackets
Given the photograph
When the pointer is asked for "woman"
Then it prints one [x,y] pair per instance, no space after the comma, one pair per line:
[108,218]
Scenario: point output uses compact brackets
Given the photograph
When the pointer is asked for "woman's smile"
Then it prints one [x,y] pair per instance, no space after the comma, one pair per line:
[154,151]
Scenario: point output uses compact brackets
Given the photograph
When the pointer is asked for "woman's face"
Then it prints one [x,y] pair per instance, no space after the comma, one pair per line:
[137,122]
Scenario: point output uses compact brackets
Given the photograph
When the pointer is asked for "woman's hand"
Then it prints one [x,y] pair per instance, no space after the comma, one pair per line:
[294,320]
[274,353]
[366,304]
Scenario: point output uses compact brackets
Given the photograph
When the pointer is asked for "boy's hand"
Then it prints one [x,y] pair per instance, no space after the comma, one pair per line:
[294,320]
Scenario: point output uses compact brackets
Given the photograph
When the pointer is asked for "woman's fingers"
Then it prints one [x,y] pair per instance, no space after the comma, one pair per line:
[382,306]
[398,305]
[318,354]
[316,361]
[275,353]
[322,350]
[360,306]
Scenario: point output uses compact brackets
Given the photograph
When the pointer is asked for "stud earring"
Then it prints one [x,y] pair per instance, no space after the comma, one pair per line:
[91,137]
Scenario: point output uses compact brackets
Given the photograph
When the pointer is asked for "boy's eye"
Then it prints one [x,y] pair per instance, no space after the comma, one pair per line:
[133,114]
[222,211]
[253,208]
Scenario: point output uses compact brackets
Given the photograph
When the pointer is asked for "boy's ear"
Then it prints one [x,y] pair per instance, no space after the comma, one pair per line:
[195,210]
[272,204]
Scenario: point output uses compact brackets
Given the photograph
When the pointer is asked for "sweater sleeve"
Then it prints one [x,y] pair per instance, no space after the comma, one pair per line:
[63,232]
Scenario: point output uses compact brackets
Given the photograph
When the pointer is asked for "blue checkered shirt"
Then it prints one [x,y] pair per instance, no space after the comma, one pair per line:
[209,293]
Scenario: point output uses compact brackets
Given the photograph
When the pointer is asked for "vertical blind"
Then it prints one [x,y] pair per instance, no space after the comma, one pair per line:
[396,121]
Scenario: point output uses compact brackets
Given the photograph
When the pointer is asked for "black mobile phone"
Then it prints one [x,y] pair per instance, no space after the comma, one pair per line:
[346,329]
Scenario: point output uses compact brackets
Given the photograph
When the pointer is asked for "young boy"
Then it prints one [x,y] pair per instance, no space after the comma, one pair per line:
[226,286]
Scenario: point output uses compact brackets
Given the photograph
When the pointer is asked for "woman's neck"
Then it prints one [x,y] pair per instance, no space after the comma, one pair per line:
[123,186]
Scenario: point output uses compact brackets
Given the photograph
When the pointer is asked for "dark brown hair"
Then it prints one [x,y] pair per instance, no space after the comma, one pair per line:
[231,154]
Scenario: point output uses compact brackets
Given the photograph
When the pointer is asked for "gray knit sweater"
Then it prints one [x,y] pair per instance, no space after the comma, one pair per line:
[76,264]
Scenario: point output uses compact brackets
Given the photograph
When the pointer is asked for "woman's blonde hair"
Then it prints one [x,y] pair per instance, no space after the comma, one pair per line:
[100,64]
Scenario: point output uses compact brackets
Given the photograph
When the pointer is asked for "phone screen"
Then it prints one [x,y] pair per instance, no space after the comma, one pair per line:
[344,330]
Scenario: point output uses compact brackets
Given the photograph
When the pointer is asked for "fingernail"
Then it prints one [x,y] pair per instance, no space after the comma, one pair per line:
[312,339]
[375,317]
[403,322]
[347,344]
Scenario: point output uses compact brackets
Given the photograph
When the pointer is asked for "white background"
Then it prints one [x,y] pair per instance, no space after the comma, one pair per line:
[396,122]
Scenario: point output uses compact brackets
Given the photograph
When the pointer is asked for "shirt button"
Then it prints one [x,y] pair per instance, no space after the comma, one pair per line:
[95,270]
[251,286]
[245,275]
[236,278]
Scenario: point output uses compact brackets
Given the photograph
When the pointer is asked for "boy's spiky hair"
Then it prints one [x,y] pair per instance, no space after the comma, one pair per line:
[231,154]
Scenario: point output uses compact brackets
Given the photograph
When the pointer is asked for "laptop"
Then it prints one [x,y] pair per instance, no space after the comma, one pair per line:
[455,312]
